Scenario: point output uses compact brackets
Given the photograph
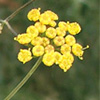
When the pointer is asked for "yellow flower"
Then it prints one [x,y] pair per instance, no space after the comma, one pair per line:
[77,50]
[52,15]
[48,18]
[48,59]
[74,28]
[37,41]
[33,31]
[52,23]
[70,40]
[49,48]
[65,66]
[59,40]
[46,41]
[38,50]
[41,27]
[64,63]
[24,55]
[63,25]
[49,41]
[23,38]
[65,49]
[60,31]
[34,14]
[57,57]
[51,32]
[69,57]
[44,19]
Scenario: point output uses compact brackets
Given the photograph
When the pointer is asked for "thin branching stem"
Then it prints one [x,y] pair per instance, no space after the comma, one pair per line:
[14,91]
[17,11]
[6,21]
[10,28]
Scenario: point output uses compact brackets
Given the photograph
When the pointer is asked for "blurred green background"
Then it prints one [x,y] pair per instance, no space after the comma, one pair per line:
[81,82]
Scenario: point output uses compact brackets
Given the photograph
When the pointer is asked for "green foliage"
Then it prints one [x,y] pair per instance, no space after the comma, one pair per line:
[80,82]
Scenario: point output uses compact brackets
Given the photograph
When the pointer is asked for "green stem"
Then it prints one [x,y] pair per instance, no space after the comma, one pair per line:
[14,91]
[17,11]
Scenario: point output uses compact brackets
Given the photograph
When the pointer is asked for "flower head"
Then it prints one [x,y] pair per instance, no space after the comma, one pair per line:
[56,44]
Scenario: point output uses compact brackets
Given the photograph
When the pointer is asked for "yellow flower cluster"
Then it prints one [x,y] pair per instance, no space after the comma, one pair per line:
[56,43]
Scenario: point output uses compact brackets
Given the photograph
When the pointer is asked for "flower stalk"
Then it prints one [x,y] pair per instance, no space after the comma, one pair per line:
[6,21]
[10,28]
[25,79]
[18,10]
